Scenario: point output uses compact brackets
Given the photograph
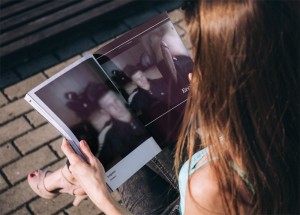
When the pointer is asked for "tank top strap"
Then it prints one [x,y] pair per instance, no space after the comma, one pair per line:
[196,163]
[243,176]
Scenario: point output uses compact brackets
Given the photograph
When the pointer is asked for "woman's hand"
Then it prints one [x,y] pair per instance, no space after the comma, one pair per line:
[91,177]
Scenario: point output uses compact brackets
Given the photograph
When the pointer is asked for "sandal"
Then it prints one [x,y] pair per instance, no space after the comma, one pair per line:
[38,186]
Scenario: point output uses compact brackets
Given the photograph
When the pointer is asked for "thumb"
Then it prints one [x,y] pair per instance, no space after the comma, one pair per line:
[190,75]
[84,147]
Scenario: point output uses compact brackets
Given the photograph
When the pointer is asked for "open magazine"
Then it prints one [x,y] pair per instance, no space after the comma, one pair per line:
[126,100]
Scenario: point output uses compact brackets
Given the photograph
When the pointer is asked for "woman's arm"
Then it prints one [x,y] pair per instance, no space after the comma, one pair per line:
[91,177]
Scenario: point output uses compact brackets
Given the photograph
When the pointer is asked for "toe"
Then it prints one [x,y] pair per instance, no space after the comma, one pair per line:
[32,174]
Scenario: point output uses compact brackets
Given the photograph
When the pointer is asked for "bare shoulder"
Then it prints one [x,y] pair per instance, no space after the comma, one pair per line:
[203,197]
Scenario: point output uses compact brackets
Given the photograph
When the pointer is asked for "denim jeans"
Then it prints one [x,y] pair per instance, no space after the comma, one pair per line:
[154,188]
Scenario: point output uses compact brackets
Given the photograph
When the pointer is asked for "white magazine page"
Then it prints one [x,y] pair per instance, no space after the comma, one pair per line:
[82,103]
[67,134]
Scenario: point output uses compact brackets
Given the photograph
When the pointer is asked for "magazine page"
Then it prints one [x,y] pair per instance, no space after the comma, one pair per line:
[150,65]
[83,102]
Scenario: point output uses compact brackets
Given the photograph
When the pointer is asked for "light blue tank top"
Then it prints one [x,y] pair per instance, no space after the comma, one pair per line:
[184,174]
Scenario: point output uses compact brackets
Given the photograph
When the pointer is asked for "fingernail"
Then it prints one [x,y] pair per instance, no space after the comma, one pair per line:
[84,142]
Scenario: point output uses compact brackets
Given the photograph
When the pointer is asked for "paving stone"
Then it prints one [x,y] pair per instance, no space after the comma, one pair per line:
[3,184]
[55,69]
[56,144]
[109,32]
[93,50]
[36,138]
[13,129]
[168,5]
[36,160]
[181,32]
[20,89]
[13,110]
[75,47]
[176,16]
[186,41]
[85,207]
[15,197]
[36,65]
[139,18]
[190,51]
[7,154]
[3,100]
[183,25]
[8,78]
[35,118]
[22,211]
[57,165]
[45,206]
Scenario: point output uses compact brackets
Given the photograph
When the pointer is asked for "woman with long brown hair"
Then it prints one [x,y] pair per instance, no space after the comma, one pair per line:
[245,100]
[238,152]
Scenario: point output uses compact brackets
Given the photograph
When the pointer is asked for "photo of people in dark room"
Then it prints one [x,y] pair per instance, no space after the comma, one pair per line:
[83,100]
[153,70]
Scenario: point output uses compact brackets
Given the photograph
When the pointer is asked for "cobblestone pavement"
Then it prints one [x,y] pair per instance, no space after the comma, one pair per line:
[28,142]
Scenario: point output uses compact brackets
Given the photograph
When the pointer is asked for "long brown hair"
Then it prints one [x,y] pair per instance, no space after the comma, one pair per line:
[244,99]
